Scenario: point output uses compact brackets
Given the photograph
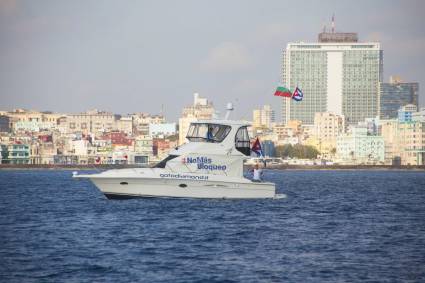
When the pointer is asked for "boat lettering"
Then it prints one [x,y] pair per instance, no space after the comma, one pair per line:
[183,176]
[189,160]
[211,166]
[204,163]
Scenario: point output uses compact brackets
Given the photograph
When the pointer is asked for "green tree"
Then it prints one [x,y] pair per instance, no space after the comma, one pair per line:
[298,151]
[284,151]
[311,152]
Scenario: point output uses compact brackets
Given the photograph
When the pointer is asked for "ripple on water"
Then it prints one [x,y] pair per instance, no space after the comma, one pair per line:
[322,226]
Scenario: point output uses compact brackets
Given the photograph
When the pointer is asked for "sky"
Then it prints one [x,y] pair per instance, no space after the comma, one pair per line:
[144,56]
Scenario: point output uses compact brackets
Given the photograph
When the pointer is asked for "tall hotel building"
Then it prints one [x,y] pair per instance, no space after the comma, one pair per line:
[337,74]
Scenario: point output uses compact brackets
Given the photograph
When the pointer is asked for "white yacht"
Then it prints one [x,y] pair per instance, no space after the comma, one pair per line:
[210,165]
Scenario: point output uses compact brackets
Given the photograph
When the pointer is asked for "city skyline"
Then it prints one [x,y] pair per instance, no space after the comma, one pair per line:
[124,58]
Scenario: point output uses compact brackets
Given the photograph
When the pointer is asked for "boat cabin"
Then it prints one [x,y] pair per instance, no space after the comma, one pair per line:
[213,132]
[216,147]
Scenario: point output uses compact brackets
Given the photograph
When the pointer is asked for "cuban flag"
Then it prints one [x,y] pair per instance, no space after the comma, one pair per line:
[297,95]
[256,147]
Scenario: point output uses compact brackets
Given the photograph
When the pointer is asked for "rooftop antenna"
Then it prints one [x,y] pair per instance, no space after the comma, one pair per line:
[229,108]
[333,23]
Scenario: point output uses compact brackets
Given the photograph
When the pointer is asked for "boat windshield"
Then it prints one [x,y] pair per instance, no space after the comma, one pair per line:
[205,132]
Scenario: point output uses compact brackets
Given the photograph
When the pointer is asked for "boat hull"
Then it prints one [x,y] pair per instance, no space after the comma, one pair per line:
[120,188]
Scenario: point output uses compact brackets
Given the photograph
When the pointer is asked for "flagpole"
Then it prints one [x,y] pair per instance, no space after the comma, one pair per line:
[287,110]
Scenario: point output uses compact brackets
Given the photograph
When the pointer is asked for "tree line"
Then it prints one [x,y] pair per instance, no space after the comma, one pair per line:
[296,151]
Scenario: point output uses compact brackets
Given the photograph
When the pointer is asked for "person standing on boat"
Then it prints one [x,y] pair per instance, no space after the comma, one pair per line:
[257,173]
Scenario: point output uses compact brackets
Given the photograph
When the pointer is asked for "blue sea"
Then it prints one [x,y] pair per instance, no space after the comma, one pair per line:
[333,226]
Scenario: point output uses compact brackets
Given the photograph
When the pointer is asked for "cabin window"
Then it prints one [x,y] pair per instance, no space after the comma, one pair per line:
[206,132]
[163,162]
[242,142]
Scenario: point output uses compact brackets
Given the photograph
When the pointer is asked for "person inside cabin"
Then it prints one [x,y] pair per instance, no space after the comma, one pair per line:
[210,136]
[257,173]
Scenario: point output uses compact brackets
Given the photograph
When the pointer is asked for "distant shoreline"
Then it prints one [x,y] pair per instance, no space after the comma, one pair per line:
[63,167]
[346,167]
[246,167]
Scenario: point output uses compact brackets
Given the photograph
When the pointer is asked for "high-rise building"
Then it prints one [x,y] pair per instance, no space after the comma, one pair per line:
[201,109]
[256,118]
[396,94]
[389,131]
[339,77]
[419,116]
[327,127]
[263,118]
[405,113]
[411,142]
[404,141]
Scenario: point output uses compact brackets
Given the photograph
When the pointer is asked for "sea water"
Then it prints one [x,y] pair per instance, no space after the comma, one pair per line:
[326,226]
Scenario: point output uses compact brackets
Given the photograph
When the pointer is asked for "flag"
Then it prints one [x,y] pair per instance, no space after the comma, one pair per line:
[282,91]
[298,94]
[256,147]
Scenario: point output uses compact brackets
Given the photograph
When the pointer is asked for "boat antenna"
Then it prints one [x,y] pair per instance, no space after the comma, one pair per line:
[229,108]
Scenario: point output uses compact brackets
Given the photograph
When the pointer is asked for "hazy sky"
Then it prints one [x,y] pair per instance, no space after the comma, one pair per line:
[134,56]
